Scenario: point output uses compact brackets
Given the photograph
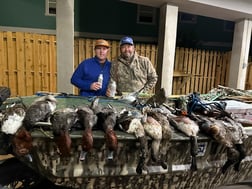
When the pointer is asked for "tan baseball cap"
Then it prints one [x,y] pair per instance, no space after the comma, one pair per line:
[101,42]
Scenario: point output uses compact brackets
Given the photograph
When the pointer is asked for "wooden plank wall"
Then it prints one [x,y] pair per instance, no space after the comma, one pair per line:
[28,63]
[200,70]
[249,76]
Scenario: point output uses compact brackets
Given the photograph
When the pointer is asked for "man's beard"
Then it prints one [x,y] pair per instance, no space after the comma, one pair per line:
[128,57]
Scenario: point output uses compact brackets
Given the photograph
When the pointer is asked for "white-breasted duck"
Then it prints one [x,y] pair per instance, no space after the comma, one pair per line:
[12,118]
[190,128]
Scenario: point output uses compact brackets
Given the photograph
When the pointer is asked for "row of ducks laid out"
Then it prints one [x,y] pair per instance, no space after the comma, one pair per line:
[155,121]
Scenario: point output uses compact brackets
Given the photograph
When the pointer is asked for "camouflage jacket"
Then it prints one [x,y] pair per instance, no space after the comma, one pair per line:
[134,75]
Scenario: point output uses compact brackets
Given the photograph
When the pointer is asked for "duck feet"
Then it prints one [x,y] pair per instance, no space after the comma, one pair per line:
[234,157]
[194,152]
[194,164]
[83,155]
[159,161]
[29,157]
[141,167]
[163,165]
[242,154]
[237,166]
[110,155]
[226,166]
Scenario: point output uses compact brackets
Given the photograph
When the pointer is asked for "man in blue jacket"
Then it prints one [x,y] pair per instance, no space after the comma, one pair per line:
[92,75]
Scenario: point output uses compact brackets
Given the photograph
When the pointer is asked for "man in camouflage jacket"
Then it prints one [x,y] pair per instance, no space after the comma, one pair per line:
[131,71]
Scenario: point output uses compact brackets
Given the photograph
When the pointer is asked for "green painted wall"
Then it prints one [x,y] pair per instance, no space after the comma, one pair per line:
[109,17]
[112,17]
[25,13]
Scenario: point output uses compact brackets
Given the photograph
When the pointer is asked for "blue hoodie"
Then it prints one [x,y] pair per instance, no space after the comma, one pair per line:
[88,72]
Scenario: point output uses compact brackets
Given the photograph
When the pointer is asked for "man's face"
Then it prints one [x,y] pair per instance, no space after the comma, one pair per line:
[101,53]
[127,51]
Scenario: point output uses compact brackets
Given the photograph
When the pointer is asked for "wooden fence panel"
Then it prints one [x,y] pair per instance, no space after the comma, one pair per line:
[114,50]
[20,62]
[248,84]
[44,83]
[227,66]
[210,70]
[202,70]
[181,65]
[28,63]
[249,77]
[193,71]
[36,66]
[153,55]
[29,66]
[199,70]
[176,80]
[185,69]
[53,67]
[2,59]
[12,62]
[205,72]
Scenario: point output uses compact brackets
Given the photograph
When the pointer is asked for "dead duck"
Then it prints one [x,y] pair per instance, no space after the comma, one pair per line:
[22,143]
[235,134]
[159,115]
[219,124]
[191,129]
[87,119]
[130,122]
[106,121]
[39,111]
[11,126]
[142,125]
[13,118]
[228,133]
[153,128]
[108,127]
[62,120]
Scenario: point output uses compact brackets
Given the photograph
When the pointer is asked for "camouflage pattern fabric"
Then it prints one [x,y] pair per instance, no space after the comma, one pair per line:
[97,172]
[133,76]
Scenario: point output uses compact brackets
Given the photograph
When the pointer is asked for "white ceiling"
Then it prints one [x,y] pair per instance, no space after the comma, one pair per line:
[231,10]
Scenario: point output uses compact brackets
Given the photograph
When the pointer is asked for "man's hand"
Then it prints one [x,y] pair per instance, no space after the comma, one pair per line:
[95,86]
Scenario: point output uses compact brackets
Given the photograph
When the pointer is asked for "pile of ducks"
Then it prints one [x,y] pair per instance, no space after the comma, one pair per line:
[152,119]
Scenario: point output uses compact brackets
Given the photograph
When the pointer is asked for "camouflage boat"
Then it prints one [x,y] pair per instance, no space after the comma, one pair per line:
[98,171]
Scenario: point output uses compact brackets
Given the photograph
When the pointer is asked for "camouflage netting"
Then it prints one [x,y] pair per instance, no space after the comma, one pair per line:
[221,93]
